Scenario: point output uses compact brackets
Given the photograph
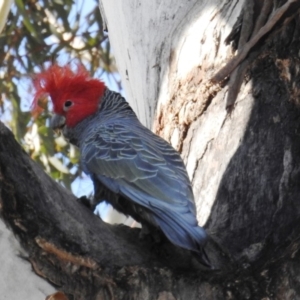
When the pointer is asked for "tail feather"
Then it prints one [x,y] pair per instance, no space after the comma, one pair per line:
[182,233]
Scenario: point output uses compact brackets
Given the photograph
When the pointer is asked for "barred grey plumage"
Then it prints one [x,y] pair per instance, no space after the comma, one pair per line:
[138,172]
[131,161]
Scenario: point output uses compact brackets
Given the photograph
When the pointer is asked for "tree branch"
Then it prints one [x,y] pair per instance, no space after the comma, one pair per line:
[71,247]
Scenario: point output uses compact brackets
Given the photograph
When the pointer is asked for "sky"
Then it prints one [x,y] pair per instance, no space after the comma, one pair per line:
[82,186]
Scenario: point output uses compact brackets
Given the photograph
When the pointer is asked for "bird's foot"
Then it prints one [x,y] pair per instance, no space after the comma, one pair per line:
[84,200]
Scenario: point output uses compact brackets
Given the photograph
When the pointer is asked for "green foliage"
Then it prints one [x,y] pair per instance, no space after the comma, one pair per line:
[40,32]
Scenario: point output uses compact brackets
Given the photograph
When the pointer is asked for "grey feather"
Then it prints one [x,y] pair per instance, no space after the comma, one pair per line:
[130,160]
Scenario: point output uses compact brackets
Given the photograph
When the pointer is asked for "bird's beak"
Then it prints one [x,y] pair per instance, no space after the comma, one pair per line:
[57,122]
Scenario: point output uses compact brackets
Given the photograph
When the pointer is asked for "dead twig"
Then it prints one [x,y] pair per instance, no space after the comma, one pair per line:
[235,61]
[237,75]
[263,16]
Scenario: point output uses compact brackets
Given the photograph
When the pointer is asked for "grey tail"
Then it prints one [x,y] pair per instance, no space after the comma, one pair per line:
[203,258]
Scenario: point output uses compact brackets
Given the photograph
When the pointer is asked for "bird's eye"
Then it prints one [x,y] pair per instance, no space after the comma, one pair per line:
[67,105]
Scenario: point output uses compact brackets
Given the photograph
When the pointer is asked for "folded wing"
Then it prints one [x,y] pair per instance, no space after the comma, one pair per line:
[145,169]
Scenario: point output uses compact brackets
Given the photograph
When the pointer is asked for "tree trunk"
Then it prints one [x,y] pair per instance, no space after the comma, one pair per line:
[244,161]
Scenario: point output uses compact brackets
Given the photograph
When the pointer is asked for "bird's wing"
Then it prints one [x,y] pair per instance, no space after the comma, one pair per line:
[144,168]
[139,165]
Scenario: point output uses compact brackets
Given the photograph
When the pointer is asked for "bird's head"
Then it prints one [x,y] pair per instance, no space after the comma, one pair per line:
[74,94]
